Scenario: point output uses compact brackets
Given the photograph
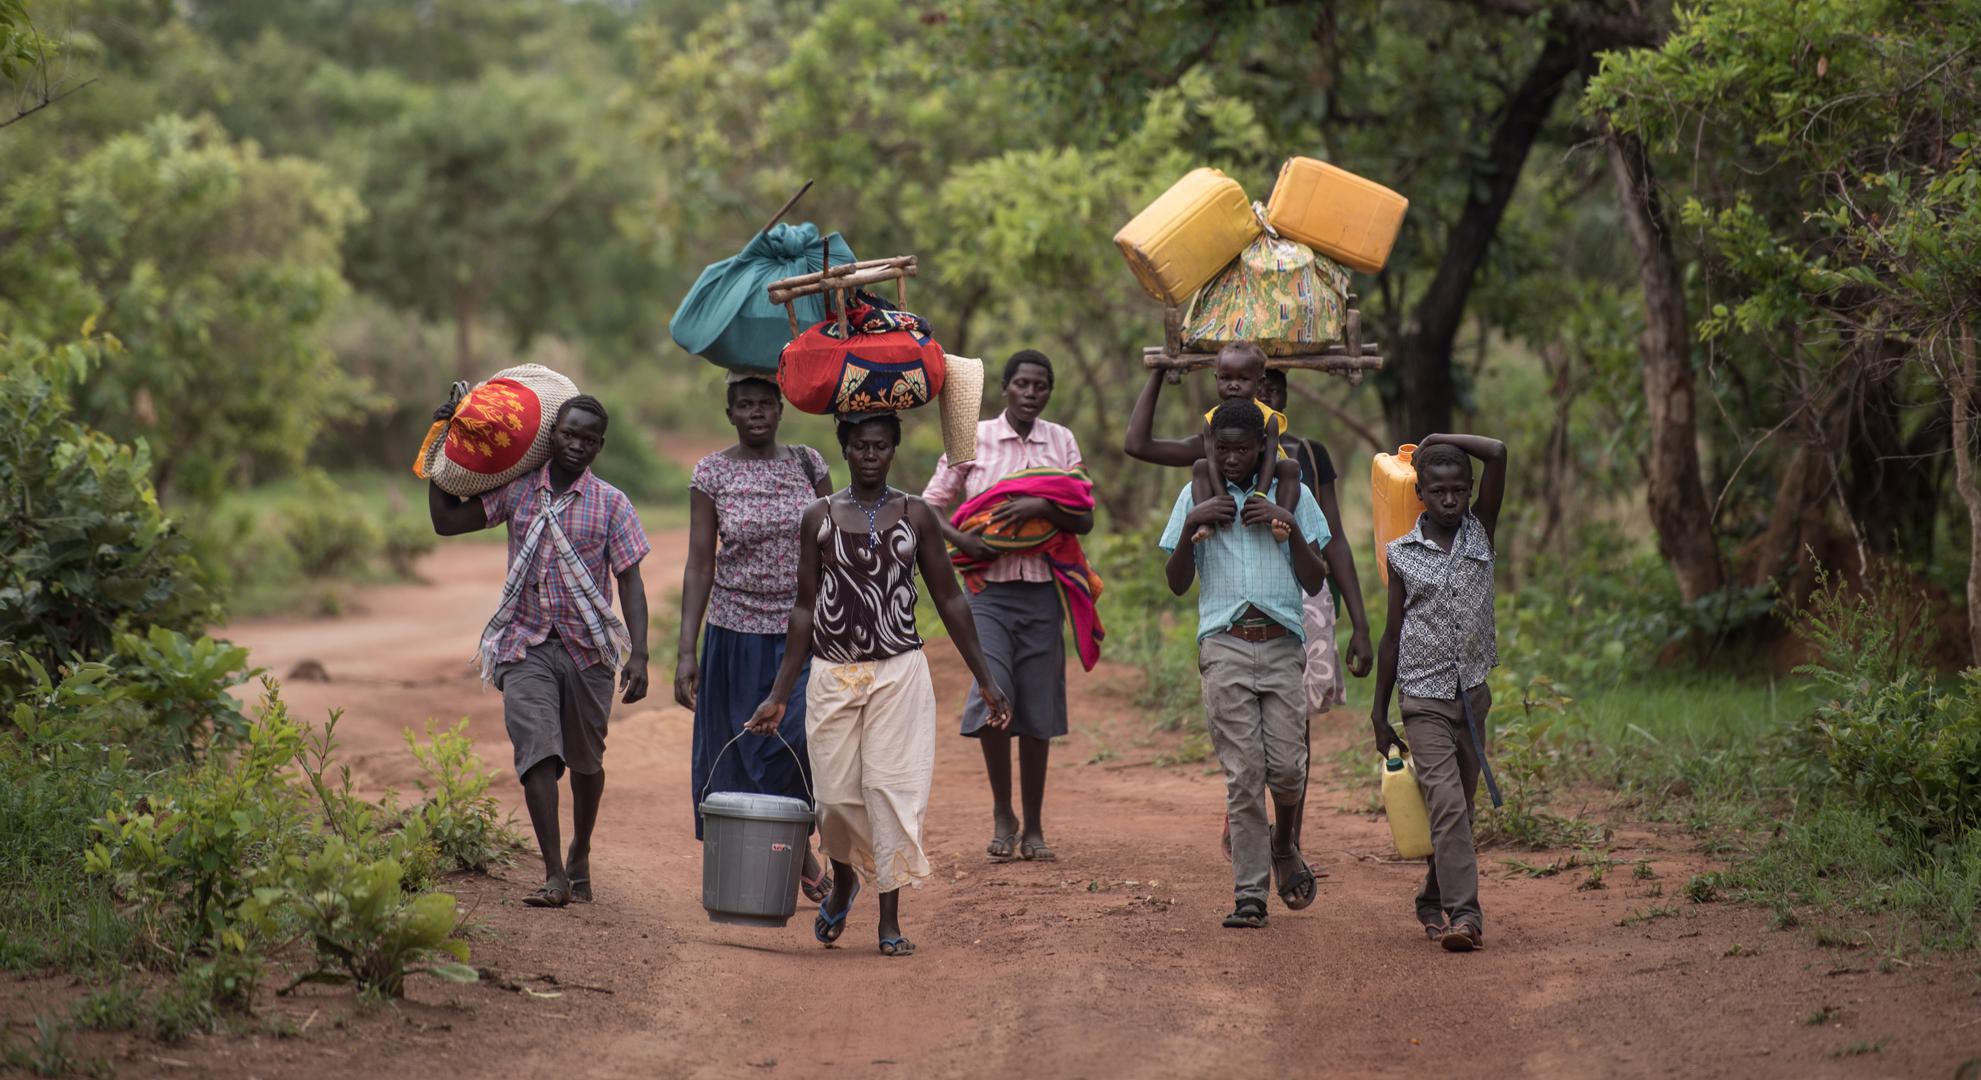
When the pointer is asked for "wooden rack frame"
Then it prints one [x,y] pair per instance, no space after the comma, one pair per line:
[1349,357]
[839,282]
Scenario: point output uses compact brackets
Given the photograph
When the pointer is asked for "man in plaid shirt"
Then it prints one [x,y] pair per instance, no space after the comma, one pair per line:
[555,643]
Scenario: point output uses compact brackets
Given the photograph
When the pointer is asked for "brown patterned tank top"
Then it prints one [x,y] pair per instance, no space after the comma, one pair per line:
[866,595]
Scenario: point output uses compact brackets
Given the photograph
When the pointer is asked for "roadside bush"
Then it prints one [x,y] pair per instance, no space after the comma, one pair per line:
[460,817]
[193,858]
[1889,737]
[86,553]
[161,694]
[331,531]
[366,930]
[406,542]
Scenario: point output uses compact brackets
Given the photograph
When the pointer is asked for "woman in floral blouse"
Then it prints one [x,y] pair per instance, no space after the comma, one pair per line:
[750,496]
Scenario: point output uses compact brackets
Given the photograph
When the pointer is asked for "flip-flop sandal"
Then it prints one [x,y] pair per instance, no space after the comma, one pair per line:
[1036,851]
[897,946]
[581,890]
[1299,888]
[547,897]
[1434,931]
[827,927]
[1250,914]
[816,889]
[999,850]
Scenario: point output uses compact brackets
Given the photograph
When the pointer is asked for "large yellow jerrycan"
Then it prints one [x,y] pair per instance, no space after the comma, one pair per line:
[1403,804]
[1395,505]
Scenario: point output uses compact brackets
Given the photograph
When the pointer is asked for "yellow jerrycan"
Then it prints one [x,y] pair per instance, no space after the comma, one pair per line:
[1403,804]
[1394,502]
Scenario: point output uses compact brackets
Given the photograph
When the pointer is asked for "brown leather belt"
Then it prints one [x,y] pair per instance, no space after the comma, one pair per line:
[1256,634]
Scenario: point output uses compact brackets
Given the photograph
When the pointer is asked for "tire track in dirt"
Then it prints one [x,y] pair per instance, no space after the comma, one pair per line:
[1108,963]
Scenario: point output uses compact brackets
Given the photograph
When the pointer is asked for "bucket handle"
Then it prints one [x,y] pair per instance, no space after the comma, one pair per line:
[809,797]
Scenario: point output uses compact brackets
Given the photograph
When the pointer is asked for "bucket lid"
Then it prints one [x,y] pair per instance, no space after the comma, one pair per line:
[742,804]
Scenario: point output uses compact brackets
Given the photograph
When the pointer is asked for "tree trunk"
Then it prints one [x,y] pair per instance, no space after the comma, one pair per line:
[1423,355]
[1676,494]
[1961,383]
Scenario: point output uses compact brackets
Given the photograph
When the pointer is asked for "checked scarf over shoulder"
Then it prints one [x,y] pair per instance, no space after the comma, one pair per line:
[605,629]
[1078,585]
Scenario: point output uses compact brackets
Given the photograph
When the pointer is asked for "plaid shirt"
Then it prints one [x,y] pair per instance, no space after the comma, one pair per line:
[1001,451]
[605,532]
[1242,565]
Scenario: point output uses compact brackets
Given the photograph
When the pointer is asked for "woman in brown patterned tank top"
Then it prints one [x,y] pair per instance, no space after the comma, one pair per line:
[869,706]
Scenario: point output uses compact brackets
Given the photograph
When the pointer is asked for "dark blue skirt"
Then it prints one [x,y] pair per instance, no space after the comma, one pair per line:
[736,674]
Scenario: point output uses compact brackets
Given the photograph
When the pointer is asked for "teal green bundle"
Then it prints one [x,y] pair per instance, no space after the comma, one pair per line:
[727,317]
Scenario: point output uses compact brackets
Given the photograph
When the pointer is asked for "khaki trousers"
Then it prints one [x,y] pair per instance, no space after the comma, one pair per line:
[870,732]
[1256,709]
[1448,771]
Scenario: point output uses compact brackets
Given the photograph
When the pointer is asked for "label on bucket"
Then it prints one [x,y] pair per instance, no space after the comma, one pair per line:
[780,847]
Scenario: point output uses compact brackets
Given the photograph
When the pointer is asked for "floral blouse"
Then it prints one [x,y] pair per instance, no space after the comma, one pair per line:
[757,507]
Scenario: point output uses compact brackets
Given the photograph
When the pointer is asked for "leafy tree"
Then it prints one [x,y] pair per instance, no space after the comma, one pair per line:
[1831,190]
[504,197]
[1445,100]
[215,267]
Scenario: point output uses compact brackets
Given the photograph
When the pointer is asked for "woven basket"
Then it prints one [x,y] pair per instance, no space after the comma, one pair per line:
[961,400]
[499,432]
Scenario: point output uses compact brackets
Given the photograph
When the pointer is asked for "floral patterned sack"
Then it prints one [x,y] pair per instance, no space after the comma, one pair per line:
[499,431]
[886,362]
[1278,293]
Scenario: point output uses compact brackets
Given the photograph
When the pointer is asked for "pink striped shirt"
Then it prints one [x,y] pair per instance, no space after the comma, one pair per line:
[1001,451]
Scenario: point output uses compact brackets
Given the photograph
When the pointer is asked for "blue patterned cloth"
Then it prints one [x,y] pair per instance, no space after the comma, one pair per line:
[1242,566]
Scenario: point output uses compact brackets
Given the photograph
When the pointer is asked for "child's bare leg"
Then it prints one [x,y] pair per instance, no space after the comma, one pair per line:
[1203,488]
[1286,472]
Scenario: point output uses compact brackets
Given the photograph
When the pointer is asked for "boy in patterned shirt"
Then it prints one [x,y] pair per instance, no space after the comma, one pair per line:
[1439,646]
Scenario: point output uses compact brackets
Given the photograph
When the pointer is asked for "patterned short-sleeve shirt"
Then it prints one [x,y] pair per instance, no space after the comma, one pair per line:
[757,507]
[605,532]
[1448,634]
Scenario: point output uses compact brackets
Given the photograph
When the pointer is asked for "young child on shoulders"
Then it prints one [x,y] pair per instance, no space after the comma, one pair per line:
[1240,373]
[1437,648]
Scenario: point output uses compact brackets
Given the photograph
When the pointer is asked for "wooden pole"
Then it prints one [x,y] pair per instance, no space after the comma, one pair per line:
[783,210]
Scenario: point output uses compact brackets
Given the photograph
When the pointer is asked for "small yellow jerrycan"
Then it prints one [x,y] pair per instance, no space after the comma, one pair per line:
[1394,502]
[1403,804]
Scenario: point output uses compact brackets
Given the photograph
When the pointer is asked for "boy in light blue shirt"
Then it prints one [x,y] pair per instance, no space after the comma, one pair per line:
[1249,656]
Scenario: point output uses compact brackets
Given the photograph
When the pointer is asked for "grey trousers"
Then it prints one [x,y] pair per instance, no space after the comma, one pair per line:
[1448,771]
[1255,704]
[553,710]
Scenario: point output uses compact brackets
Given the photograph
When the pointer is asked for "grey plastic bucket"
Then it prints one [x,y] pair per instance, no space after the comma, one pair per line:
[753,852]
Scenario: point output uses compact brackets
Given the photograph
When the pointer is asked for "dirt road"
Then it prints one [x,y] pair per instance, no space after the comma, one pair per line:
[1108,963]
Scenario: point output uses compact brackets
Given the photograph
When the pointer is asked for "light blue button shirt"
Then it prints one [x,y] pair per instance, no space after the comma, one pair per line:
[1242,565]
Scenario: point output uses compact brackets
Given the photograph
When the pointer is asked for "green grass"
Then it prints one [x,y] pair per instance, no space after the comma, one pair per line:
[51,913]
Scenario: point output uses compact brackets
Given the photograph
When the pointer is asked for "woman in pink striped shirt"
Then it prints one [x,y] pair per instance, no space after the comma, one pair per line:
[1018,612]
